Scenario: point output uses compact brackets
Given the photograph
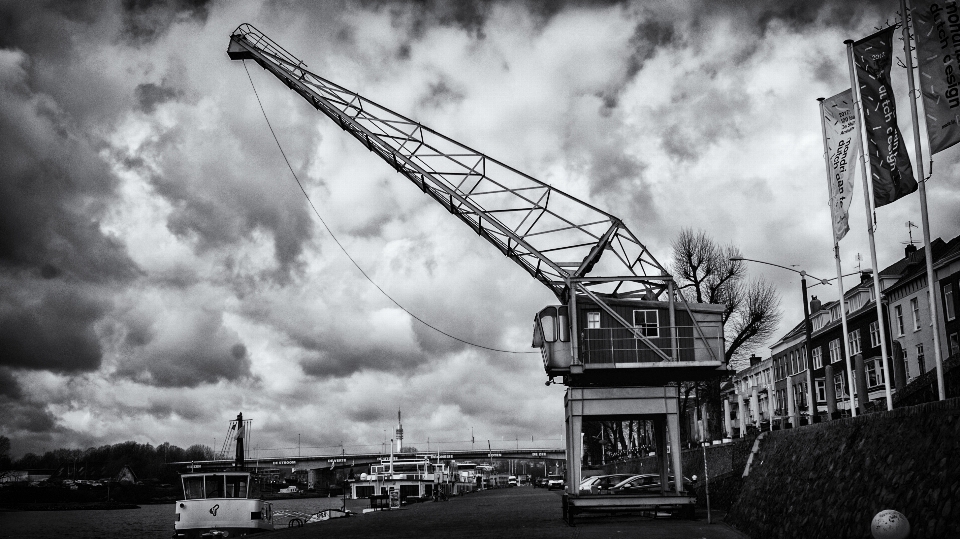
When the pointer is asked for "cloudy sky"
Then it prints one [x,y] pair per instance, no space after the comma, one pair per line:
[160,270]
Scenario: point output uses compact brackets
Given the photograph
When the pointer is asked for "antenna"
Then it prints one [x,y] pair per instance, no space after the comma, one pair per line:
[910,225]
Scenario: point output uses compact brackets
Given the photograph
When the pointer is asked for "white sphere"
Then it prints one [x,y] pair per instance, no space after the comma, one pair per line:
[890,524]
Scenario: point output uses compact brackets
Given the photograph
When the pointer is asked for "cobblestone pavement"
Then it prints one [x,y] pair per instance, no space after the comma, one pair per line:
[505,513]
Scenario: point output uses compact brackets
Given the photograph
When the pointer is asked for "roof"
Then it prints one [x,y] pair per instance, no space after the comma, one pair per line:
[904,270]
[910,267]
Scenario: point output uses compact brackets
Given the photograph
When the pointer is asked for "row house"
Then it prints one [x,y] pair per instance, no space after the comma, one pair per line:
[909,346]
[947,275]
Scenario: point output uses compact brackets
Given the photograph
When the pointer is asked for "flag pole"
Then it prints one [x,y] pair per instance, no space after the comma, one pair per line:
[836,256]
[922,187]
[867,191]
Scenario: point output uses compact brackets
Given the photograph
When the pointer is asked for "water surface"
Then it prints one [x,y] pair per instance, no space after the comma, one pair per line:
[148,522]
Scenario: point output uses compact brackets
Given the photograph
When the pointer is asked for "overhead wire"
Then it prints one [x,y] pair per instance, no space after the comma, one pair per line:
[342,248]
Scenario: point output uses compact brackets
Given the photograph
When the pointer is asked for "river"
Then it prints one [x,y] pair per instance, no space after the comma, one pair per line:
[148,522]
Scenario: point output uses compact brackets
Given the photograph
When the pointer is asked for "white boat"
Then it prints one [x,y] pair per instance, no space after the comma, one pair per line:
[409,478]
[221,504]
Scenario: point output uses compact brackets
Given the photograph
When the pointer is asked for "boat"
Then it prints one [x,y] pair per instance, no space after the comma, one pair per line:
[401,480]
[219,504]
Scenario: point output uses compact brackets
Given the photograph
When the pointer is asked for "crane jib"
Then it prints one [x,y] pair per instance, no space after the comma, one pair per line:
[534,224]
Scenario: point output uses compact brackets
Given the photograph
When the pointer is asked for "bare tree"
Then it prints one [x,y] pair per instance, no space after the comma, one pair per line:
[705,273]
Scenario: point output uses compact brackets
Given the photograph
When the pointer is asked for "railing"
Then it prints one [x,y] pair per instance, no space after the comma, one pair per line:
[620,345]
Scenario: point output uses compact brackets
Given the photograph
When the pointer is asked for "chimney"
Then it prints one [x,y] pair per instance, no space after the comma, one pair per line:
[909,250]
[754,360]
[866,275]
[815,305]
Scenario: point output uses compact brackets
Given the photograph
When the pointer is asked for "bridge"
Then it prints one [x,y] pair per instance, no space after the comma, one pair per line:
[364,460]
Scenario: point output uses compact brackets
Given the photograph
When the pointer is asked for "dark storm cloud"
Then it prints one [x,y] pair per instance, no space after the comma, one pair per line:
[226,183]
[9,387]
[146,20]
[685,140]
[54,331]
[440,94]
[53,188]
[191,351]
[341,359]
[149,95]
[648,36]
[25,416]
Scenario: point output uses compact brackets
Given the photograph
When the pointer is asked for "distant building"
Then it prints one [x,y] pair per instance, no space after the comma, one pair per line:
[24,476]
[909,336]
[126,476]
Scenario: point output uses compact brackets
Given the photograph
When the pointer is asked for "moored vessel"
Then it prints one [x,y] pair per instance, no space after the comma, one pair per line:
[219,504]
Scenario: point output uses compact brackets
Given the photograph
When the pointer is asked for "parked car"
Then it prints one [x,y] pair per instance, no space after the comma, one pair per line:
[646,484]
[540,482]
[512,481]
[555,481]
[602,483]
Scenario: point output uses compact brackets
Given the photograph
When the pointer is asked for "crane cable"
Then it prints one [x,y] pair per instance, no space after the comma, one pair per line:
[340,245]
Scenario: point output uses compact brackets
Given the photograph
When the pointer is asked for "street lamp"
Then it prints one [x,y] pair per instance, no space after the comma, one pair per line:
[807,330]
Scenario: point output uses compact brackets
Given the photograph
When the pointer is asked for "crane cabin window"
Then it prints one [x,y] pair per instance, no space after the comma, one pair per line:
[563,324]
[593,320]
[648,322]
[548,324]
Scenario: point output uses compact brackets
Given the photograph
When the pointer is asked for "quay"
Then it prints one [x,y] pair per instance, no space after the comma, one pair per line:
[508,512]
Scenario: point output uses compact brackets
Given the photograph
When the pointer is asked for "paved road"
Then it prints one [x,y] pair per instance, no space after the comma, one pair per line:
[502,514]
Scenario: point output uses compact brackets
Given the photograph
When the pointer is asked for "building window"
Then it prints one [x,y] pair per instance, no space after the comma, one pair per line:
[915,306]
[838,385]
[821,390]
[817,358]
[906,369]
[898,316]
[948,299]
[648,323]
[853,338]
[922,368]
[874,373]
[874,334]
[834,350]
[593,320]
[871,374]
[954,344]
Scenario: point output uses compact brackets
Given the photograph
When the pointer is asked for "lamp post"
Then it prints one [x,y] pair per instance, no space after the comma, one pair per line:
[807,330]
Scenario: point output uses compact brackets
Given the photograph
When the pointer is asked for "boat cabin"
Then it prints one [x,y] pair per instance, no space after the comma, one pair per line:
[224,502]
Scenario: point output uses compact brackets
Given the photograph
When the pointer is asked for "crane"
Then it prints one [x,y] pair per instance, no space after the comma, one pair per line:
[569,246]
[600,273]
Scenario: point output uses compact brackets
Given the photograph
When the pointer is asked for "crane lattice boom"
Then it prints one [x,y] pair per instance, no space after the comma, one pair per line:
[560,240]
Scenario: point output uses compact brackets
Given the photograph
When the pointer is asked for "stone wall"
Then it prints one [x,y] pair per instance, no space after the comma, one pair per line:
[828,480]
[924,387]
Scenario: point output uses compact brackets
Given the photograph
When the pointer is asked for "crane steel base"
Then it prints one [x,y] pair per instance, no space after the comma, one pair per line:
[685,504]
[659,404]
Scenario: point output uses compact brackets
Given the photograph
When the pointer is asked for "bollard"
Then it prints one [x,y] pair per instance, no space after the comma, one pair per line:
[890,524]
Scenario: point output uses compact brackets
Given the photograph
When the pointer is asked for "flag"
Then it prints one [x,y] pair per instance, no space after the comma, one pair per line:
[936,28]
[890,167]
[843,148]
